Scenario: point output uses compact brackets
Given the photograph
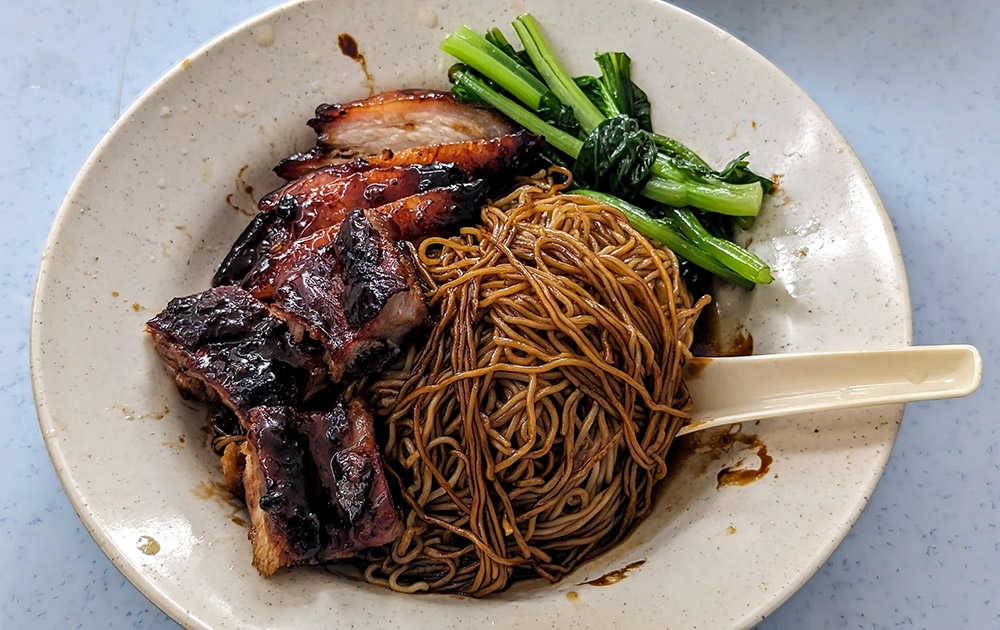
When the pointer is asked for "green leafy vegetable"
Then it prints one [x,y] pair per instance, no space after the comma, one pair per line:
[477,52]
[554,75]
[596,93]
[552,110]
[601,128]
[475,88]
[617,156]
[616,76]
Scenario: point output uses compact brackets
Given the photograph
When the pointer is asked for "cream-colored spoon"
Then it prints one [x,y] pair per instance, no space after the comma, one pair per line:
[727,390]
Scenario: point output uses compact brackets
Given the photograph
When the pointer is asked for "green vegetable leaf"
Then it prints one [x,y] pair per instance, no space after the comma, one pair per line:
[478,89]
[743,262]
[601,127]
[736,172]
[596,93]
[554,75]
[682,157]
[480,54]
[616,77]
[642,111]
[552,111]
[617,156]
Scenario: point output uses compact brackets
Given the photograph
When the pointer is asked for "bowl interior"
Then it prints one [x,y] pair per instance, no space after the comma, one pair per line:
[175,181]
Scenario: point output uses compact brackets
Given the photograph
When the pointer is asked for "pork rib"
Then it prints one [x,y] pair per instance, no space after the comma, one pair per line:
[356,508]
[284,530]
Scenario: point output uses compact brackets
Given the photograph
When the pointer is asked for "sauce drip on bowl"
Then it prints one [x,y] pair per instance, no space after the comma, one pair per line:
[349,48]
[615,576]
[735,476]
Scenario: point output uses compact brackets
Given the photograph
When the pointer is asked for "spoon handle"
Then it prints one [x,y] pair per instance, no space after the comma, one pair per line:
[727,390]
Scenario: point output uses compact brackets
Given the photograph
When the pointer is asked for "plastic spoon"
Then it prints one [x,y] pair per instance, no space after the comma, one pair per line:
[727,390]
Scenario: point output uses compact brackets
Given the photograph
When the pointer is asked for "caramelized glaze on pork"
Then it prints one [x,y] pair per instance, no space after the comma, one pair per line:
[495,159]
[320,200]
[394,121]
[383,293]
[315,486]
[226,347]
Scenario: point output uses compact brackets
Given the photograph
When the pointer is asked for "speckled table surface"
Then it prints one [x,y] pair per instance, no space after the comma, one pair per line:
[915,88]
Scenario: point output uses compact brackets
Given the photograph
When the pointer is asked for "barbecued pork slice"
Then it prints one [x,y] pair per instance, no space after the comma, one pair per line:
[285,530]
[397,120]
[496,159]
[401,119]
[320,200]
[226,347]
[358,295]
[315,486]
[355,507]
[414,218]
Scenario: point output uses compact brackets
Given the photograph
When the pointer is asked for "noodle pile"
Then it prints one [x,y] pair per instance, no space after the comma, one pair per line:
[527,433]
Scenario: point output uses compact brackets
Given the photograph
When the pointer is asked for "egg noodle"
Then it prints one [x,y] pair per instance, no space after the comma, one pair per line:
[527,431]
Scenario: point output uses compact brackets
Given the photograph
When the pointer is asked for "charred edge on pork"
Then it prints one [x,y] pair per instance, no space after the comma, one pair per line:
[316,489]
[226,347]
[368,283]
[414,218]
[284,529]
[312,298]
[356,507]
[319,200]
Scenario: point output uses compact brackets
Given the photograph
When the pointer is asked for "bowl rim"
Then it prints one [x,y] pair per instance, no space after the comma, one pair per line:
[133,572]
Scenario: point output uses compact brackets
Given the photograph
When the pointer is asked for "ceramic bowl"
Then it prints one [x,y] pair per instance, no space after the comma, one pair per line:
[174,182]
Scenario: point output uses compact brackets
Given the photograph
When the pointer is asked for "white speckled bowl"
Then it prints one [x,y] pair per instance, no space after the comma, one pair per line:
[154,210]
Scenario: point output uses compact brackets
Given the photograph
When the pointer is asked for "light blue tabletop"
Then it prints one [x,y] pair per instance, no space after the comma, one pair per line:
[914,86]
